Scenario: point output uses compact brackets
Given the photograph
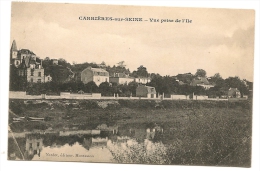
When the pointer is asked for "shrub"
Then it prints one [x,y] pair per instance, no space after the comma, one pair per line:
[113,106]
[91,104]
[16,106]
[127,103]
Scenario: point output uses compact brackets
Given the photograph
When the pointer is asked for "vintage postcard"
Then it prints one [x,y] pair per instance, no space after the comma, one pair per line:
[131,84]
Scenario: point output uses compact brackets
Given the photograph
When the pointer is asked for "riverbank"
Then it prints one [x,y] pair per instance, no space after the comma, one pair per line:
[87,114]
[196,132]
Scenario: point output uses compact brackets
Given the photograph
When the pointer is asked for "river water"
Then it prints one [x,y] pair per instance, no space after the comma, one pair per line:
[124,144]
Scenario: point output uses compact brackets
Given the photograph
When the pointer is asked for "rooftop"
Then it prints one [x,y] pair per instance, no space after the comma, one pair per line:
[98,69]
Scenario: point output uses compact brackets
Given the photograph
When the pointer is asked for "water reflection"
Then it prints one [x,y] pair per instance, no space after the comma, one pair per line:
[124,144]
[33,145]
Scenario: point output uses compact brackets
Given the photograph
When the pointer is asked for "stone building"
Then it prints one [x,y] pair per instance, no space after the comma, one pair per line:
[97,75]
[142,80]
[28,64]
[121,78]
[145,91]
[201,81]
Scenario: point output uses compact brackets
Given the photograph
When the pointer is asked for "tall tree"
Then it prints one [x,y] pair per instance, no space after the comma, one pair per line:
[235,82]
[201,73]
[105,89]
[91,87]
[121,64]
[215,79]
[141,72]
[17,83]
[132,87]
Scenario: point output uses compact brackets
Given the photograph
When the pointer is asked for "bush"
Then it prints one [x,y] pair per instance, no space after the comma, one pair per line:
[127,103]
[113,106]
[37,105]
[16,106]
[89,104]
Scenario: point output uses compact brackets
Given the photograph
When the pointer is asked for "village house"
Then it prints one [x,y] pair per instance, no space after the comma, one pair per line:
[201,81]
[142,80]
[34,73]
[97,75]
[47,78]
[234,93]
[28,64]
[180,82]
[121,78]
[145,91]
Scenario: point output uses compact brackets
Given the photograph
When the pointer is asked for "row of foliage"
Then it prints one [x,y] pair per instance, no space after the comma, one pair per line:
[123,90]
[65,77]
[105,88]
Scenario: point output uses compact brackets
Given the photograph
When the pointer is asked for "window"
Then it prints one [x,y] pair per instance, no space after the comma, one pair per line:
[17,62]
[31,80]
[30,145]
[31,72]
[39,81]
[48,78]
[39,74]
[38,144]
[20,73]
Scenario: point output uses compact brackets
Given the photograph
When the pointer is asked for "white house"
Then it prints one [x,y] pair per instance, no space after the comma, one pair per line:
[121,78]
[142,80]
[97,75]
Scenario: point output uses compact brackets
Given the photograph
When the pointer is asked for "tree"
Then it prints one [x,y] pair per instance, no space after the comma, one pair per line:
[141,72]
[201,73]
[132,87]
[215,78]
[36,88]
[105,89]
[198,90]
[121,64]
[185,89]
[157,82]
[235,82]
[17,83]
[185,78]
[80,67]
[63,62]
[117,69]
[47,59]
[216,91]
[123,90]
[167,85]
[91,87]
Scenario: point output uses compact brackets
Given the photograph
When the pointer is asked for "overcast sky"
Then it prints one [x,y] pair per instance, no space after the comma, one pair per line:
[217,40]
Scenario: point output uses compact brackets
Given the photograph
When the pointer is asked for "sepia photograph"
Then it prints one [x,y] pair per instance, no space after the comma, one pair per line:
[130,84]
